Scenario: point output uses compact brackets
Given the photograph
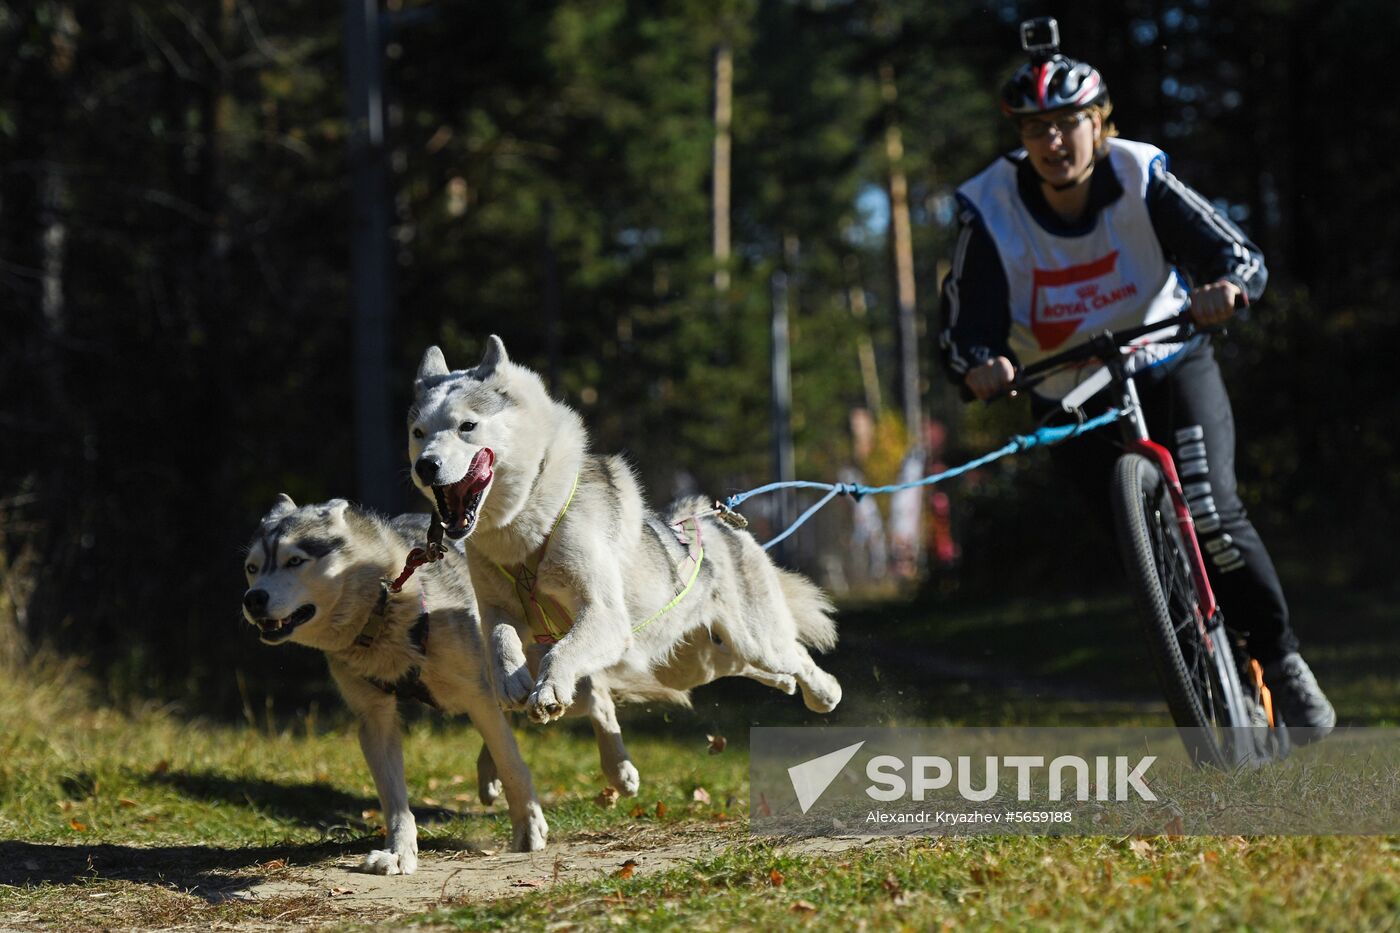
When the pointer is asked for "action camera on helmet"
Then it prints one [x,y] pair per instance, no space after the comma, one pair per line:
[1040,37]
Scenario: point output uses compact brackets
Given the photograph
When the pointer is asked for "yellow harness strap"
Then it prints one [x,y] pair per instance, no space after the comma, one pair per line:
[543,626]
[695,558]
[548,620]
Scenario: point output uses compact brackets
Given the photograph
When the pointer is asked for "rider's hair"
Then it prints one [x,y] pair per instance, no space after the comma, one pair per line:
[1104,108]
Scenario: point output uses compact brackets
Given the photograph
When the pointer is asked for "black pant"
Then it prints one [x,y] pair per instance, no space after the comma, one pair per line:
[1188,412]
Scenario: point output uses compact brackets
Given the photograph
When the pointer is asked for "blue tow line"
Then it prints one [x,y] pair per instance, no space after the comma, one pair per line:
[1019,442]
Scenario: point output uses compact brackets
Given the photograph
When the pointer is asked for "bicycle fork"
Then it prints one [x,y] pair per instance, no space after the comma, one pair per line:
[1136,440]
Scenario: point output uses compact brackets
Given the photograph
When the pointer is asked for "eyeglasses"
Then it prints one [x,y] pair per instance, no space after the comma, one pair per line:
[1039,129]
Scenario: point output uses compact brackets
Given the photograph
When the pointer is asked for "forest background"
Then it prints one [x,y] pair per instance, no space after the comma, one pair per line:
[176,287]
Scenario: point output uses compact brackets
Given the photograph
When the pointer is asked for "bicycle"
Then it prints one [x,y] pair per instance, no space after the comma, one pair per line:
[1201,665]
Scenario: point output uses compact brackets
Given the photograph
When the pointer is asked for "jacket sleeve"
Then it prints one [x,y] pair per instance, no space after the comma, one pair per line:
[1200,240]
[975,306]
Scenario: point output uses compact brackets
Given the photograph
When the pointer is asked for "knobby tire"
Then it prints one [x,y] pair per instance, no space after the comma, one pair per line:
[1202,689]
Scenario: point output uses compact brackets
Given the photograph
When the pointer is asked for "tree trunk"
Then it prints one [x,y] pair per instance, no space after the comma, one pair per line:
[724,94]
[865,347]
[902,245]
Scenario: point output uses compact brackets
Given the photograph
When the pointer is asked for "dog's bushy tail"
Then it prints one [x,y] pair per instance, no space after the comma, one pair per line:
[811,610]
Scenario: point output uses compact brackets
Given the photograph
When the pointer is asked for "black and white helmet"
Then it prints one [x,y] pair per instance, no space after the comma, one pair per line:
[1049,81]
[1058,82]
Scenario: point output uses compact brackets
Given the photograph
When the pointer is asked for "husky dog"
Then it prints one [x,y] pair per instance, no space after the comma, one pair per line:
[565,556]
[317,575]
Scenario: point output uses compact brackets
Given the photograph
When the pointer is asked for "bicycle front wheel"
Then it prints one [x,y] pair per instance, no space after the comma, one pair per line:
[1193,656]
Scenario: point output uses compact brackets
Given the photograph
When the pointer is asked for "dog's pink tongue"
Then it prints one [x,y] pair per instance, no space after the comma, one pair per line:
[479,473]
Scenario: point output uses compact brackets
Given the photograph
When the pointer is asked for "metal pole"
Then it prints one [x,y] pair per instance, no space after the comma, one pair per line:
[783,467]
[371,274]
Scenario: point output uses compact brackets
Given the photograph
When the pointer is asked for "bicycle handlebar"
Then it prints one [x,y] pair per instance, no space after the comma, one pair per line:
[1098,345]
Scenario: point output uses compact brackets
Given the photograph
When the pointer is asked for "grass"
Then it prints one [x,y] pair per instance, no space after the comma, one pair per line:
[990,884]
[142,817]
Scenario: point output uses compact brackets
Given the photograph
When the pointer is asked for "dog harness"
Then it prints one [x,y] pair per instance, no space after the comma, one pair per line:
[410,686]
[548,620]
[544,627]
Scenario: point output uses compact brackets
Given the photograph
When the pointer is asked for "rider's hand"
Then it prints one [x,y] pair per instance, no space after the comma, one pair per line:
[991,378]
[1214,303]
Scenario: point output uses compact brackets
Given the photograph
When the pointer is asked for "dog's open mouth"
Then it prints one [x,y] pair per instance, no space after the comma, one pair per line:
[275,630]
[459,502]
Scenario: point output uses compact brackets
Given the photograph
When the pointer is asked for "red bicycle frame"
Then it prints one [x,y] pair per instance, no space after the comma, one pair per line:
[1136,441]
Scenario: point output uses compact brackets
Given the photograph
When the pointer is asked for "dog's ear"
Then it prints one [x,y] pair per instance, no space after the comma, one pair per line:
[494,356]
[282,506]
[335,510]
[432,364]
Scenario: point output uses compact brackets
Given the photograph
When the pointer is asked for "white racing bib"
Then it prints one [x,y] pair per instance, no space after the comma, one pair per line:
[1063,289]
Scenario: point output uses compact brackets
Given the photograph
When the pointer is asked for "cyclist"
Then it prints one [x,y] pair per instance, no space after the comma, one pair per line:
[1079,231]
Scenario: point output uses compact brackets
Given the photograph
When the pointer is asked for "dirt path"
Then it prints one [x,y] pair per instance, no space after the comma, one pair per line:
[472,876]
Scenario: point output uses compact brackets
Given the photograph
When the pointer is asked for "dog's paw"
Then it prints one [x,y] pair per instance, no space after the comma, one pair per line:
[548,702]
[626,778]
[489,791]
[821,693]
[385,862]
[532,832]
[513,687]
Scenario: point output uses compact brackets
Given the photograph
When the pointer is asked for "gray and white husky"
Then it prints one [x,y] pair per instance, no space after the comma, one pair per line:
[566,558]
[317,576]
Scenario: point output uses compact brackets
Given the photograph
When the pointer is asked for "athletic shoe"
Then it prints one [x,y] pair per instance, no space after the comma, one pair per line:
[1299,699]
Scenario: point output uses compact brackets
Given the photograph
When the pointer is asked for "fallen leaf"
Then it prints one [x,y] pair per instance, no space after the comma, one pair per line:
[124,802]
[607,798]
[717,743]
[661,809]
[369,815]
[273,864]
[1209,857]
[526,883]
[1175,828]
[628,868]
[337,892]
[74,824]
[1142,881]
[775,878]
[1141,847]
[701,795]
[803,907]
[984,876]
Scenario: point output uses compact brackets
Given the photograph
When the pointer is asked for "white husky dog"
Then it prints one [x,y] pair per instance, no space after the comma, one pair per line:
[565,557]
[317,576]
